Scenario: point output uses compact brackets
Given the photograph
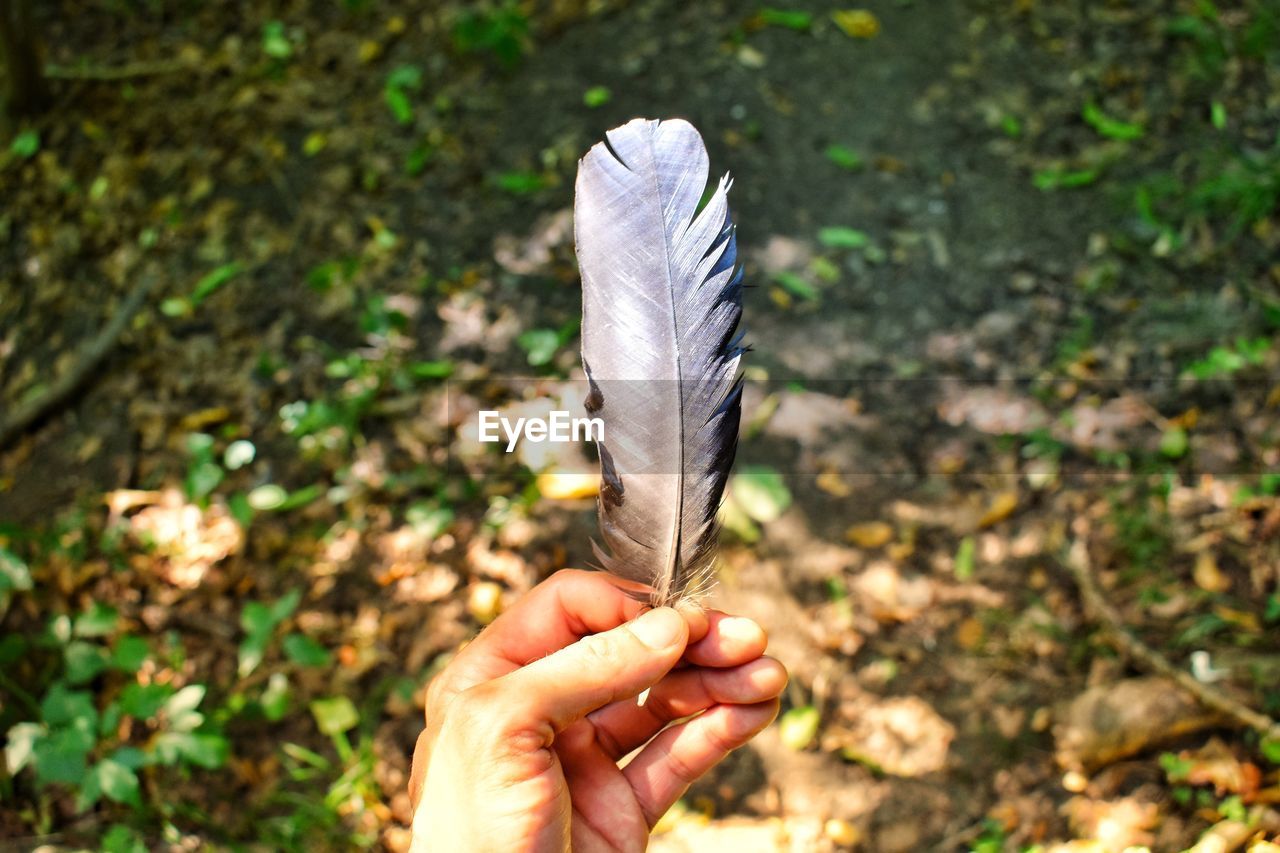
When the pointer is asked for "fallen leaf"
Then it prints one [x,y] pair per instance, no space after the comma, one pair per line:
[871,534]
[969,634]
[857,23]
[1001,507]
[833,484]
[203,418]
[1215,764]
[1207,575]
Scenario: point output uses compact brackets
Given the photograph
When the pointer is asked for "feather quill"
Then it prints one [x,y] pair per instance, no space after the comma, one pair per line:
[661,304]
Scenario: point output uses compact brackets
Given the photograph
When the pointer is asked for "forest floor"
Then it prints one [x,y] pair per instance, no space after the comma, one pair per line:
[1013,325]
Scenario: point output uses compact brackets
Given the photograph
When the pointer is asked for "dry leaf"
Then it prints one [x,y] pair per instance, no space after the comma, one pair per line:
[1002,506]
[871,534]
[1207,575]
[833,484]
[857,23]
[969,634]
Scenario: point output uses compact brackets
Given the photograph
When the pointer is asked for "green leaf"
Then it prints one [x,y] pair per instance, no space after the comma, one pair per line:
[405,77]
[209,751]
[62,756]
[1110,127]
[427,519]
[20,744]
[129,653]
[965,555]
[1057,179]
[796,285]
[275,698]
[520,183]
[117,781]
[399,104]
[305,651]
[251,652]
[14,573]
[1218,115]
[540,345]
[25,144]
[597,96]
[334,715]
[62,707]
[144,701]
[431,369]
[1270,748]
[131,757]
[202,479]
[837,237]
[12,648]
[267,497]
[284,606]
[416,161]
[761,493]
[122,839]
[84,661]
[241,511]
[844,157]
[787,18]
[1174,442]
[256,619]
[301,497]
[1272,611]
[238,454]
[211,281]
[99,621]
[185,700]
[799,726]
[275,43]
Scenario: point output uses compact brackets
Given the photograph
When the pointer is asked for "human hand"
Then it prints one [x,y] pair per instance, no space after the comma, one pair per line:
[526,726]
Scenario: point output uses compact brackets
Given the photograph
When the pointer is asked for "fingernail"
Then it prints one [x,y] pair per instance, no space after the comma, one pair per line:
[659,628]
[741,629]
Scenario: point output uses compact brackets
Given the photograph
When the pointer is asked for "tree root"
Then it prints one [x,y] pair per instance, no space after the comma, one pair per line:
[24,414]
[1097,606]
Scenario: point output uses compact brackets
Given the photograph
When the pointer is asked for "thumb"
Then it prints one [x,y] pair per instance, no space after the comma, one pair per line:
[599,669]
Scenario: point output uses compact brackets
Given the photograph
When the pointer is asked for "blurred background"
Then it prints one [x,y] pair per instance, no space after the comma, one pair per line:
[1007,493]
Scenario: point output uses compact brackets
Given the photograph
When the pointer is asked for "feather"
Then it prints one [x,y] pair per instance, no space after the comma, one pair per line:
[661,304]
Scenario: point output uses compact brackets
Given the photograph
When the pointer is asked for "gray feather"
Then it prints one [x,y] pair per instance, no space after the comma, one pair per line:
[661,302]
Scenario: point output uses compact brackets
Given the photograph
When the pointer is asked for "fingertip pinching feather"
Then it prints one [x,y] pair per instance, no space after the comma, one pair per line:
[661,305]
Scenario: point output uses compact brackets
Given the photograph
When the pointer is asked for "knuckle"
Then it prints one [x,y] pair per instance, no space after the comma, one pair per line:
[599,649]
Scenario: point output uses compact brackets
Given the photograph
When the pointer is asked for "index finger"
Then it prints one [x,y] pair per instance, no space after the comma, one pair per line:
[561,610]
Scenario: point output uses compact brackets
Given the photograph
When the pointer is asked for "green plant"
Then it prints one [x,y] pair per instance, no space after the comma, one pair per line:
[276,42]
[498,29]
[259,622]
[541,345]
[210,283]
[68,741]
[1223,362]
[400,84]
[790,19]
[1109,127]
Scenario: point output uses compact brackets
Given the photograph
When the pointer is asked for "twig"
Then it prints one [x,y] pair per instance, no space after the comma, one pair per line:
[91,354]
[114,72]
[1099,608]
